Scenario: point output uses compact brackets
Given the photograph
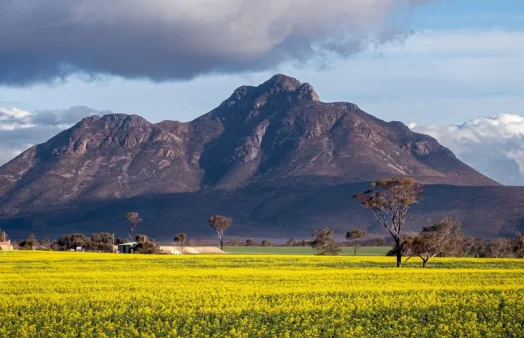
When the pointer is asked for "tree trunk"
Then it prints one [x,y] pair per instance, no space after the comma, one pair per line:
[354,252]
[398,250]
[221,238]
[424,261]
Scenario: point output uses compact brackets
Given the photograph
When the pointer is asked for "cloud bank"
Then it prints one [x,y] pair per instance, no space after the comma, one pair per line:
[42,41]
[492,145]
[21,129]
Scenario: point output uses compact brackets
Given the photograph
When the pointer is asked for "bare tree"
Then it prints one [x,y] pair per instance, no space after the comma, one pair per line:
[180,239]
[389,199]
[434,240]
[134,219]
[324,243]
[220,224]
[501,247]
[356,238]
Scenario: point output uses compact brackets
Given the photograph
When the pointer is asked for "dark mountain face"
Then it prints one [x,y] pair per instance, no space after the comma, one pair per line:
[278,134]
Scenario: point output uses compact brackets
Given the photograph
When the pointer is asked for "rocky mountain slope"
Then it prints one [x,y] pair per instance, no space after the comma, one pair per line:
[275,136]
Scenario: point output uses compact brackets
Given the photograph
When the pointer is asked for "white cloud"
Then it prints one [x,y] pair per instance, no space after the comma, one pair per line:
[14,118]
[493,145]
[13,112]
[21,129]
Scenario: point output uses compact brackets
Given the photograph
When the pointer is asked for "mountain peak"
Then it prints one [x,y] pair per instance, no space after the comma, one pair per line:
[278,85]
[281,82]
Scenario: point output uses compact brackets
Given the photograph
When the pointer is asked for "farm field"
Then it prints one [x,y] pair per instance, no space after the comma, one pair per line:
[67,294]
[303,250]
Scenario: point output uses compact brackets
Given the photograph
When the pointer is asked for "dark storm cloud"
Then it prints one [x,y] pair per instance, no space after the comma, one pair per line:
[43,41]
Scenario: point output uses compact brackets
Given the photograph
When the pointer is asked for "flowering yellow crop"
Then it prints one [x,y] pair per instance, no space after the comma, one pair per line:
[107,295]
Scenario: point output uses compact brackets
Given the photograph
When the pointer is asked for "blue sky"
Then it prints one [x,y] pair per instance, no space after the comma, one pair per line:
[460,14]
[437,63]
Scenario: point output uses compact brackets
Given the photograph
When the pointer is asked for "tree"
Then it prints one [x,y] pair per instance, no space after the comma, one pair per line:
[433,240]
[380,241]
[134,219]
[304,243]
[29,243]
[473,247]
[235,242]
[291,242]
[180,239]
[145,246]
[120,240]
[389,200]
[3,236]
[324,243]
[102,241]
[356,238]
[140,238]
[518,245]
[220,224]
[501,247]
[250,242]
[266,242]
[72,241]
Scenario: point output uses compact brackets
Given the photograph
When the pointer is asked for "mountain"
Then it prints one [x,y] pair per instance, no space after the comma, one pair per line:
[253,156]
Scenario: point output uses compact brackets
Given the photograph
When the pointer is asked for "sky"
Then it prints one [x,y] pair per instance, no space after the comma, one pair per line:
[449,68]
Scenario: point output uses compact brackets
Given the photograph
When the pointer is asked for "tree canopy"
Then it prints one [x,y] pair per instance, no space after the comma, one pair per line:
[180,239]
[389,200]
[435,239]
[220,224]
[356,238]
[134,219]
[324,243]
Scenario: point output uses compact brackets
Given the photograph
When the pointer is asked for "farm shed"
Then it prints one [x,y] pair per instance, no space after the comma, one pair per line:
[126,247]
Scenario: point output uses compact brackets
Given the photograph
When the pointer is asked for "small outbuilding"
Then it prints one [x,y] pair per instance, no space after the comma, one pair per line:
[6,245]
[126,247]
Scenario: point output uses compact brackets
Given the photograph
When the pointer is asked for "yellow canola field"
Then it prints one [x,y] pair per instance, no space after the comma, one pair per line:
[59,294]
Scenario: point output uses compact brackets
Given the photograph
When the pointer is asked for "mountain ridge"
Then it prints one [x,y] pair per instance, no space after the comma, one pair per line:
[277,134]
